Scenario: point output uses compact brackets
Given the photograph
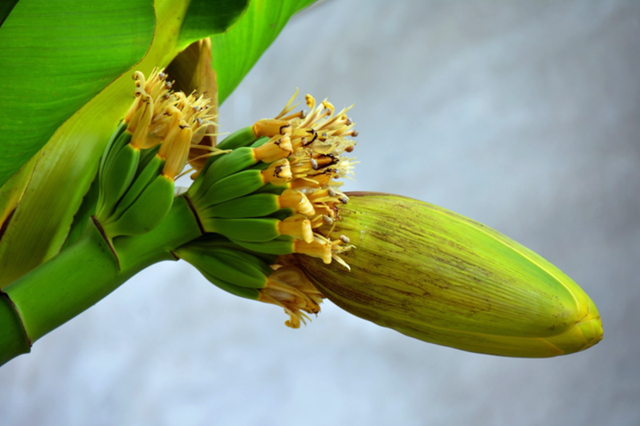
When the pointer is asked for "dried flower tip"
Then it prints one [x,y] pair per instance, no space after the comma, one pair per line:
[302,166]
[139,124]
[297,226]
[278,147]
[318,247]
[269,127]
[278,173]
[297,201]
[175,149]
[328,195]
[290,288]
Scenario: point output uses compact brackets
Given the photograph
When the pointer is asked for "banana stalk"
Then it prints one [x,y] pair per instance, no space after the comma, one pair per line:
[84,274]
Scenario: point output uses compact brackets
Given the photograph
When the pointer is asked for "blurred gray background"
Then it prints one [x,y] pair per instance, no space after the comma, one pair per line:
[522,115]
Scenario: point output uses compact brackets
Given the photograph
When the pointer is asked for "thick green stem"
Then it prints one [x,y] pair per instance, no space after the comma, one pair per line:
[82,275]
[66,285]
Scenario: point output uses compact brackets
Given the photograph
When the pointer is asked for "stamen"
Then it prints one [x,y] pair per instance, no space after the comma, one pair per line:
[288,107]
[186,172]
[139,78]
[300,114]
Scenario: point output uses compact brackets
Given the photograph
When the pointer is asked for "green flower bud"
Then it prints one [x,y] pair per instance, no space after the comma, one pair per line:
[439,277]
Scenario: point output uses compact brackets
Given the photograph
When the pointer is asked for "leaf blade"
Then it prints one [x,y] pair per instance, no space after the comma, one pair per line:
[206,17]
[56,56]
[67,164]
[252,35]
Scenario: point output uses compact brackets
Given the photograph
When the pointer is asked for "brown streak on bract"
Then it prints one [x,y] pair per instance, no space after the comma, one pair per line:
[106,239]
[195,214]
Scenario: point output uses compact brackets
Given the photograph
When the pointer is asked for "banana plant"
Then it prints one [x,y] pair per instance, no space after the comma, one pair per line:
[103,106]
[67,83]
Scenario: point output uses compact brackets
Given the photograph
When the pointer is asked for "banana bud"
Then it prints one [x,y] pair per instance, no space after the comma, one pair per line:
[442,278]
[297,201]
[278,173]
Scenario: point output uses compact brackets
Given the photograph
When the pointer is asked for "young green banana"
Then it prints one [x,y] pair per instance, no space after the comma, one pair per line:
[146,212]
[239,138]
[150,171]
[263,204]
[240,184]
[229,266]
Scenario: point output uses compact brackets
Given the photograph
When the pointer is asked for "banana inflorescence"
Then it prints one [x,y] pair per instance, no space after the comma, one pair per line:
[265,220]
[266,191]
[275,192]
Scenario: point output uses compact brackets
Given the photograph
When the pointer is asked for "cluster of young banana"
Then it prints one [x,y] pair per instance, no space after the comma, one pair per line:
[266,192]
[145,154]
[274,193]
[254,275]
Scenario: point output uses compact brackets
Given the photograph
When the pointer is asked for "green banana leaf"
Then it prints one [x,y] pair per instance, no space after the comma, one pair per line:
[67,82]
[252,36]
[5,8]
